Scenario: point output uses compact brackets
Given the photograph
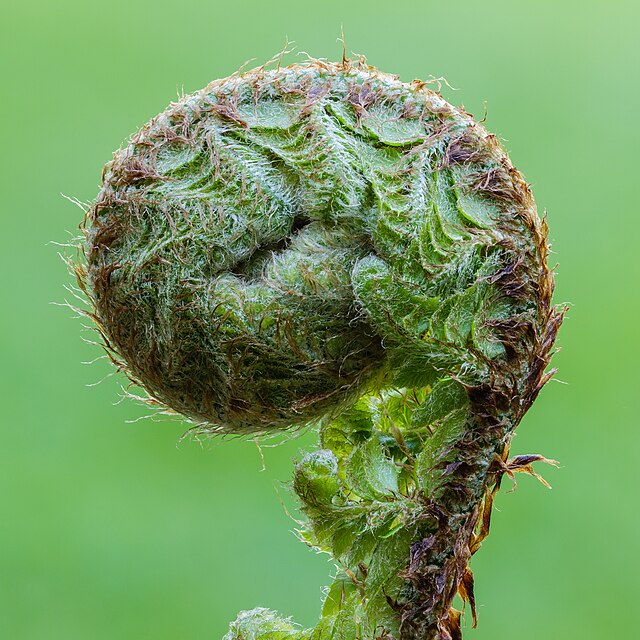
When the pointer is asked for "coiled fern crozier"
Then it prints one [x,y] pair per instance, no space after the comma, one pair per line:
[326,244]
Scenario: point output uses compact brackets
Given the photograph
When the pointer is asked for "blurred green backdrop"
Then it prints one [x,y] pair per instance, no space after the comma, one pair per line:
[113,530]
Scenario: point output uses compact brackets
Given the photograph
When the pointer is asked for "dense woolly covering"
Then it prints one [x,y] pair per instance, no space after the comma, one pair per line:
[325,242]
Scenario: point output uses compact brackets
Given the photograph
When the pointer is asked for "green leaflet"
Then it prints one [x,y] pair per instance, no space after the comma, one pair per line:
[370,475]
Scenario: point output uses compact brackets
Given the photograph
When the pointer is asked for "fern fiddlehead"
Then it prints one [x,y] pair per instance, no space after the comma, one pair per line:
[325,244]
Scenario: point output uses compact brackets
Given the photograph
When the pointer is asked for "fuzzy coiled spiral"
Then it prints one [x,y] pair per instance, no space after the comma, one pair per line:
[323,242]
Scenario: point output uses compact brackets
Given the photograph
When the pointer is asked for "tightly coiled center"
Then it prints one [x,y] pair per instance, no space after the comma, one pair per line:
[269,248]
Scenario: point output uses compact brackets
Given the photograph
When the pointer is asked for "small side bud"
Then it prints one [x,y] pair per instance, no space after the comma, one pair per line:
[262,624]
[316,478]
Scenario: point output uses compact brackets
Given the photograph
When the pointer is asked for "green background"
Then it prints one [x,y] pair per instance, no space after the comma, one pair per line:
[111,530]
